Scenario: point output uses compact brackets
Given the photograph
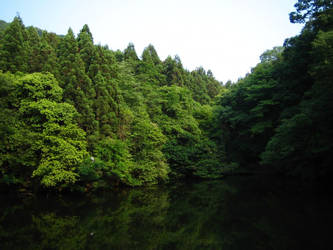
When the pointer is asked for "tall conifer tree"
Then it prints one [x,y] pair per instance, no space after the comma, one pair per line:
[13,50]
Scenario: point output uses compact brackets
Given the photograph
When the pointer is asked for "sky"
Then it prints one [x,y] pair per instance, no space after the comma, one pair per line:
[225,36]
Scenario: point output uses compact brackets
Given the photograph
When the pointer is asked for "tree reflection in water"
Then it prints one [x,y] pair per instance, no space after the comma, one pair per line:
[236,213]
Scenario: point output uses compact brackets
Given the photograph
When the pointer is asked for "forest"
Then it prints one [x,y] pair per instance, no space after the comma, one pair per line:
[75,115]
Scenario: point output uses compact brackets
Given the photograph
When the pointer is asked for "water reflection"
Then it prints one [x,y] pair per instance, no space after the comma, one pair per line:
[236,213]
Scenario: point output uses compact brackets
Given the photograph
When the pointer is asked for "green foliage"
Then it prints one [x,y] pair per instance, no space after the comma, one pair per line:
[282,111]
[304,138]
[130,53]
[147,141]
[140,119]
[63,143]
[13,47]
[3,26]
[78,89]
[248,113]
[272,55]
[309,9]
[116,160]
[42,139]
[86,46]
[65,100]
[47,57]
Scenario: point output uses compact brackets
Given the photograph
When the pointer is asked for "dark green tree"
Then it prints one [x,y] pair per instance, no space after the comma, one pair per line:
[130,54]
[173,71]
[150,68]
[309,9]
[33,46]
[14,49]
[86,46]
[78,89]
[47,56]
[150,55]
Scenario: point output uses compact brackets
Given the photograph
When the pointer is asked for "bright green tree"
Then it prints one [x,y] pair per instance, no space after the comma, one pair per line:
[43,140]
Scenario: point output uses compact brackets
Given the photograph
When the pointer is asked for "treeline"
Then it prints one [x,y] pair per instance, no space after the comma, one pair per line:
[281,114]
[77,114]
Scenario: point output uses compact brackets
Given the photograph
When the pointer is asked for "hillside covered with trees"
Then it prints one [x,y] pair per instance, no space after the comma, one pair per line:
[73,112]
[280,115]
[78,115]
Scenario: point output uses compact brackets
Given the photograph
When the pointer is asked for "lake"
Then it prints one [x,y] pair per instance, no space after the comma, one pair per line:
[256,212]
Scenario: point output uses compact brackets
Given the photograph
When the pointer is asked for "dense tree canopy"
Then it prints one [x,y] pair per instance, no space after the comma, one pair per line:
[88,115]
[281,114]
[78,115]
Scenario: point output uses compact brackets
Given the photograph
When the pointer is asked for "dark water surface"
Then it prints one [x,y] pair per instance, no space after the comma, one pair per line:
[235,213]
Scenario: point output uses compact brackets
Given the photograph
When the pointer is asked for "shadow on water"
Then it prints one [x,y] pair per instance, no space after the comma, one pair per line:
[235,213]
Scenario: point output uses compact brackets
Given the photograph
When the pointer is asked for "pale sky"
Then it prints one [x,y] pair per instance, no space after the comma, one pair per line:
[225,36]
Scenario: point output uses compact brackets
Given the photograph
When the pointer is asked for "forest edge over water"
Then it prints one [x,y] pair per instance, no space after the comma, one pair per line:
[78,116]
